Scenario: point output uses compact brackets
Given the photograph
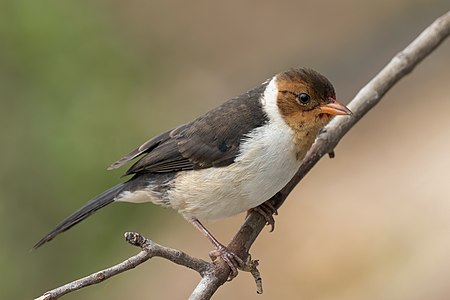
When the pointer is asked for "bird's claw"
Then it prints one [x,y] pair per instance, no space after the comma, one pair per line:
[232,260]
[267,210]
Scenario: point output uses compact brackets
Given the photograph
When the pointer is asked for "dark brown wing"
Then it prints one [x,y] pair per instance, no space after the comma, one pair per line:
[211,140]
[145,147]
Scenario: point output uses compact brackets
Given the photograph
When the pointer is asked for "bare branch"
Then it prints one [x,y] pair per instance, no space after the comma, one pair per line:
[403,63]
[216,274]
[149,248]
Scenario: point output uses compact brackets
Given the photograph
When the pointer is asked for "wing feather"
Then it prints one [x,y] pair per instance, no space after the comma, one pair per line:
[211,140]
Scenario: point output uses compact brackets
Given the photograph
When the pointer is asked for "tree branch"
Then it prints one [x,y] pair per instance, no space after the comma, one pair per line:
[403,63]
[216,274]
[150,249]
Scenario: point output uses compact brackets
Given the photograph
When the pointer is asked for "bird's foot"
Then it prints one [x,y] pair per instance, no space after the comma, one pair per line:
[267,210]
[231,258]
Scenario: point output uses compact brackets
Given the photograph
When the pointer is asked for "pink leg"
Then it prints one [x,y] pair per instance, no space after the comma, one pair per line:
[229,257]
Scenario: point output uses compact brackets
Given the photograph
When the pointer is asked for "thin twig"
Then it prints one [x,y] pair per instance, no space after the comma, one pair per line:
[149,248]
[216,274]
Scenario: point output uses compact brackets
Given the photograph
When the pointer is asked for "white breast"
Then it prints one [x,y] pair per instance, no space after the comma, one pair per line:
[266,163]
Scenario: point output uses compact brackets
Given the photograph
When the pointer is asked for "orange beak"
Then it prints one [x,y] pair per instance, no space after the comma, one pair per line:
[335,108]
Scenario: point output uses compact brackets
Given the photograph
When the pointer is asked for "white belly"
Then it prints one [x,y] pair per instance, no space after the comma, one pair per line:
[267,162]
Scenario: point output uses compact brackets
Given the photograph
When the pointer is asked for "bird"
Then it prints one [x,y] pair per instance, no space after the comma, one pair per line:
[229,160]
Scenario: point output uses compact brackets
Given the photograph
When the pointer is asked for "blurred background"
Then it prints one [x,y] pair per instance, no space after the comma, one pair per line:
[84,82]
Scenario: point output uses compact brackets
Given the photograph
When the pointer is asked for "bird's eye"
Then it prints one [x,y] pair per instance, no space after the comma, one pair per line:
[303,98]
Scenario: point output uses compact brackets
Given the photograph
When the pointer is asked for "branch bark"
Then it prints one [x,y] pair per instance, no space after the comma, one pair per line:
[149,249]
[216,274]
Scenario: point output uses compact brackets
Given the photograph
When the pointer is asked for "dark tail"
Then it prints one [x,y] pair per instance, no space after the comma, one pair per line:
[88,209]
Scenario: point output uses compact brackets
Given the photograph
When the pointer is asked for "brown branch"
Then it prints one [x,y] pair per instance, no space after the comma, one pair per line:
[150,249]
[402,64]
[215,274]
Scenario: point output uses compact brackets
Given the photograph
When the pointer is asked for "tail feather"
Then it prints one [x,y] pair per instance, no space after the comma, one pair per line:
[88,209]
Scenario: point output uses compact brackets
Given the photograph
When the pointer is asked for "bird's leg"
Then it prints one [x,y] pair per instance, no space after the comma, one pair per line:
[267,210]
[232,260]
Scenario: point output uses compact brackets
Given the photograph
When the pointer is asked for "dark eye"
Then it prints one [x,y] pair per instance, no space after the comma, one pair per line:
[303,98]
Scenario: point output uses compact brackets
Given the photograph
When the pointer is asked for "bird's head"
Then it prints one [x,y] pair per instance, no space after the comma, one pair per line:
[307,100]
